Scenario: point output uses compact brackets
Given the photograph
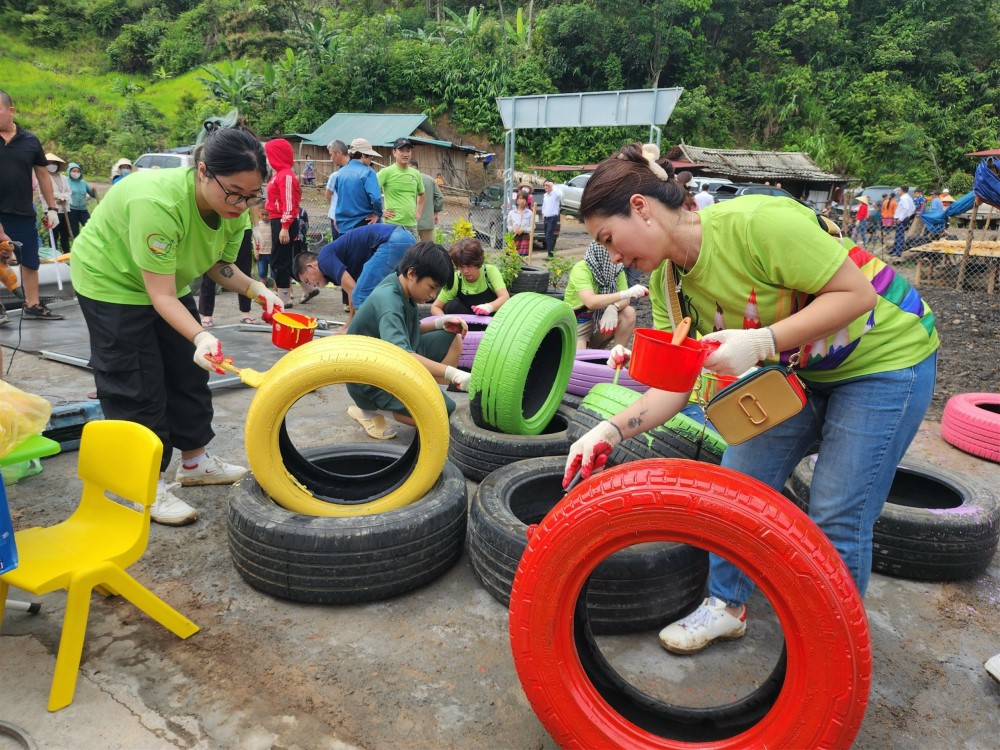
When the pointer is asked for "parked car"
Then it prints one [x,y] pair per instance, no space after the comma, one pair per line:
[488,216]
[736,189]
[163,161]
[572,193]
[874,194]
[694,186]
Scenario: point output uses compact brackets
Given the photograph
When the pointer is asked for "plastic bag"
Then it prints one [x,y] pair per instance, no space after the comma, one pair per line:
[21,416]
[8,551]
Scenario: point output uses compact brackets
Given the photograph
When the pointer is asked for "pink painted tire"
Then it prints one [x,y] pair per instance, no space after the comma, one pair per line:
[971,422]
[470,344]
[590,367]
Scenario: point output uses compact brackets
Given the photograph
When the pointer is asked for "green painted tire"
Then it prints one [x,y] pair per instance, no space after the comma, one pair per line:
[523,365]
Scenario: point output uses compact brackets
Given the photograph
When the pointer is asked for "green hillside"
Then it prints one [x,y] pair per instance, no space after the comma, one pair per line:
[886,93]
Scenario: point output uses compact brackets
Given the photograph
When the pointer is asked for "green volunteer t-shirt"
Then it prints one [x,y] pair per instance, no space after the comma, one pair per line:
[581,277]
[763,258]
[400,188]
[390,315]
[490,273]
[149,222]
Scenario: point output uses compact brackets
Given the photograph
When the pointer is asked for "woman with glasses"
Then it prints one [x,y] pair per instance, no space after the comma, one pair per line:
[133,264]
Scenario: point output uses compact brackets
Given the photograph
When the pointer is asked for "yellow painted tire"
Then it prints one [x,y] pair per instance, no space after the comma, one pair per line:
[345,359]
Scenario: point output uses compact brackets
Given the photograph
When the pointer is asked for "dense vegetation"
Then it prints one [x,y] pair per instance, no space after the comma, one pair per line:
[884,92]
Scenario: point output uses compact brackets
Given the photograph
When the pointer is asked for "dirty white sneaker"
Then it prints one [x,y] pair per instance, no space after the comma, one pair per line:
[708,623]
[169,509]
[210,470]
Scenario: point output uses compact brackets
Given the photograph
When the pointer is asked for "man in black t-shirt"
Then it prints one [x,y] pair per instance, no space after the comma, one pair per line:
[20,155]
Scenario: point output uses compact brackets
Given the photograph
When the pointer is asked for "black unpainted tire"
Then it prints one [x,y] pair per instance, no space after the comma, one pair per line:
[478,451]
[936,525]
[639,588]
[349,559]
[523,364]
[530,279]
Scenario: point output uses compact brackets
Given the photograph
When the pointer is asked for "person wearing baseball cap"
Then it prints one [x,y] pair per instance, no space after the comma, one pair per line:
[402,188]
[359,197]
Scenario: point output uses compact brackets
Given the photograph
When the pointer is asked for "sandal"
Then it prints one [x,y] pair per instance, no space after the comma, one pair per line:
[206,322]
[249,321]
[376,427]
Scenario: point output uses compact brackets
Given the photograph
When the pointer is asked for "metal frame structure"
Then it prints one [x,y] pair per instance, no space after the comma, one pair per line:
[582,110]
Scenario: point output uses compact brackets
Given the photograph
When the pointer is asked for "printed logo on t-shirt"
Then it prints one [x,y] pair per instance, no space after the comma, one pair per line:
[158,244]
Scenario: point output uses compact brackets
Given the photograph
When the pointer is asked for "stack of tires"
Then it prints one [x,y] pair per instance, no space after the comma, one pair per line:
[347,522]
[519,376]
[530,279]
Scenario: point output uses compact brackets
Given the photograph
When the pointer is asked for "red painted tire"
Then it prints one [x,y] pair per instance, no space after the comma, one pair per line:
[971,422]
[470,344]
[579,698]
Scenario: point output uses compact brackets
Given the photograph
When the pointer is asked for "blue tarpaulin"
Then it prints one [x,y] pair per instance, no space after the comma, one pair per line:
[934,220]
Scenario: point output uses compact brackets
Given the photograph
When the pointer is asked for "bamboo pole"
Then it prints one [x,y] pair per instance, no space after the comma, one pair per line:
[968,245]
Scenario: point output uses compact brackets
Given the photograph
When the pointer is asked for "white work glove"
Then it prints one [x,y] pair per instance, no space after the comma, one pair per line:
[483,309]
[590,453]
[739,350]
[267,299]
[208,352]
[51,219]
[619,357]
[460,378]
[451,324]
[635,292]
[609,320]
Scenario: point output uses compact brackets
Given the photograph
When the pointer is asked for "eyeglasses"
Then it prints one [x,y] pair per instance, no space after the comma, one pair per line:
[234,199]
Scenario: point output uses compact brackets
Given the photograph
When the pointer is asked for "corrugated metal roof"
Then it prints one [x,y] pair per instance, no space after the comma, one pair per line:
[743,163]
[379,129]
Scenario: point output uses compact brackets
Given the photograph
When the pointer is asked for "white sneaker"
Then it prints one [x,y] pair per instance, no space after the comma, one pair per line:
[210,470]
[708,623]
[169,509]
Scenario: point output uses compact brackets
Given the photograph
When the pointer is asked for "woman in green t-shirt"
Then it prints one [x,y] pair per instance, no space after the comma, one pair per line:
[478,288]
[133,264]
[760,277]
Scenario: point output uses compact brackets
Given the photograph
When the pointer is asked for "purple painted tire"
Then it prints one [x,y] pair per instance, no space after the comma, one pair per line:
[591,368]
[477,326]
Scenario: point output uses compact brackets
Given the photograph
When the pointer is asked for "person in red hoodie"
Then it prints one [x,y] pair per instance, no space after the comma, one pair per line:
[283,197]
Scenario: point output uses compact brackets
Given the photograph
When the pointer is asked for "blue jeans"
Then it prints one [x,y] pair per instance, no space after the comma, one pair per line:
[861,231]
[865,424]
[898,245]
[550,223]
[381,264]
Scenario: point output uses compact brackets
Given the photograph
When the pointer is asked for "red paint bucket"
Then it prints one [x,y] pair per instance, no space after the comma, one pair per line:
[670,367]
[712,383]
[289,330]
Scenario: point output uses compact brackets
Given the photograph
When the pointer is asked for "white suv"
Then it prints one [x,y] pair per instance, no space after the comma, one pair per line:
[163,161]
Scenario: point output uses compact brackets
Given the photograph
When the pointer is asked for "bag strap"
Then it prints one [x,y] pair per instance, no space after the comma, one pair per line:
[672,289]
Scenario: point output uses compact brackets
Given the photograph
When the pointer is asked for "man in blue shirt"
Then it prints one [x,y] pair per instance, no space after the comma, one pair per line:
[359,197]
[356,262]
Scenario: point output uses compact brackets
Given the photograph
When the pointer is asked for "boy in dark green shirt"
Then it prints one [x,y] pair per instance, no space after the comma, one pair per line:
[390,314]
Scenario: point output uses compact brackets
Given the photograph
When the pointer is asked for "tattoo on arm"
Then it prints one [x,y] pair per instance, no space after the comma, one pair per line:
[634,422]
[227,271]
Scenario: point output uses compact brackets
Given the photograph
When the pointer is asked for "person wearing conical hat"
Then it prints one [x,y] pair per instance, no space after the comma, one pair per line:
[60,191]
[861,221]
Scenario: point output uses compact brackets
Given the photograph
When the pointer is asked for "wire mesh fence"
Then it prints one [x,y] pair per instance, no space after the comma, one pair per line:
[964,256]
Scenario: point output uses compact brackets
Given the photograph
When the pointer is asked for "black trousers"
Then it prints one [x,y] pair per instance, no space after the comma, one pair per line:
[281,255]
[145,373]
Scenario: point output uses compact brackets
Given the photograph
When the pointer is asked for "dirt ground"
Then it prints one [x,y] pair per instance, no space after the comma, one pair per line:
[433,668]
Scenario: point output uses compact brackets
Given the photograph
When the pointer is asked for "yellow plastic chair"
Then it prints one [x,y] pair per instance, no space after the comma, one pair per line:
[93,547]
